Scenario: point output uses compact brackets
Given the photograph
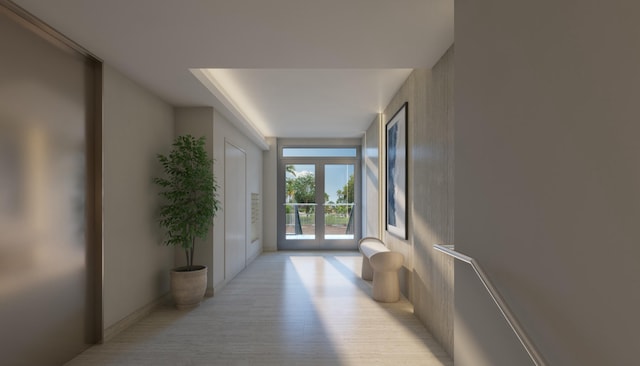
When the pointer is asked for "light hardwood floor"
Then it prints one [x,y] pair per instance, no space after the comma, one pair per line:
[286,308]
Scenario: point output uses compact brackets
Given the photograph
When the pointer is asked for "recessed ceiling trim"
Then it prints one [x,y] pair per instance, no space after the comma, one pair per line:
[233,111]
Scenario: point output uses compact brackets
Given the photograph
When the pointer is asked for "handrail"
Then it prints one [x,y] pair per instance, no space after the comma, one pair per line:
[514,324]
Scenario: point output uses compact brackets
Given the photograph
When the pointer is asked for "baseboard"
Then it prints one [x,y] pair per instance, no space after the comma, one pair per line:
[209,292]
[136,316]
[253,257]
[219,287]
[405,276]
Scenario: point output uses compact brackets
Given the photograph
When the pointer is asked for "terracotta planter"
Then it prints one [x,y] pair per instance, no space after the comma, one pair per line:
[188,287]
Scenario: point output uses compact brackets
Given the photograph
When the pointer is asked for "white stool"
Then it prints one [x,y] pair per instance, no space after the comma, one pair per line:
[381,265]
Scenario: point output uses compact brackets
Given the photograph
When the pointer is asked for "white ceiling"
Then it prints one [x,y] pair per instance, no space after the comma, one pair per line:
[289,68]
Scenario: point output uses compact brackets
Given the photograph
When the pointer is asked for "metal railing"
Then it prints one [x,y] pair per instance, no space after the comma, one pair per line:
[335,214]
[514,324]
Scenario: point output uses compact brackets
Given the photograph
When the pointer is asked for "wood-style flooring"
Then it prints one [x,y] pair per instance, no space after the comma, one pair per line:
[285,308]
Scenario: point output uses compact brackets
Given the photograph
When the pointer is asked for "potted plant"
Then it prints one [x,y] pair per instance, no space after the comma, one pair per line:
[190,203]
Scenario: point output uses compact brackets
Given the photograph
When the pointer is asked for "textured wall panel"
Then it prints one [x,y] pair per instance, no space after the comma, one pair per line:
[427,277]
[371,193]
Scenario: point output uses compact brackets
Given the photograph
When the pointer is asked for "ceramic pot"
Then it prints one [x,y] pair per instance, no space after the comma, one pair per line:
[188,287]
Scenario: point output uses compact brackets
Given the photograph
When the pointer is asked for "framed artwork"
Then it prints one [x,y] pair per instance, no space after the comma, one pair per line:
[396,173]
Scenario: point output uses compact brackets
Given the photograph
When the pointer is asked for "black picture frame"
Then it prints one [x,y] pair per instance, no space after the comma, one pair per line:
[396,173]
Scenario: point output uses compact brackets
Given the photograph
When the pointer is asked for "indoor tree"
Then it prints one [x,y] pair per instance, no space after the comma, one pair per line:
[190,194]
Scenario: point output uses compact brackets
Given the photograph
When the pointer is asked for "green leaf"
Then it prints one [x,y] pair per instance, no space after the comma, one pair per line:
[189,192]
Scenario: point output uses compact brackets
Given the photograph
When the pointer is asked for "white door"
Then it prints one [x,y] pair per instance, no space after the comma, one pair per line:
[235,215]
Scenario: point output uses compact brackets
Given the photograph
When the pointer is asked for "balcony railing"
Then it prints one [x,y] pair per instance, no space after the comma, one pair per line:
[300,220]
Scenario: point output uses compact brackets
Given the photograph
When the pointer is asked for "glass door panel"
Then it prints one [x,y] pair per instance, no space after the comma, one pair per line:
[339,201]
[300,202]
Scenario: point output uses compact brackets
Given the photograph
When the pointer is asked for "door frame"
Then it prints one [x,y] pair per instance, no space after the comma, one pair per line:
[319,243]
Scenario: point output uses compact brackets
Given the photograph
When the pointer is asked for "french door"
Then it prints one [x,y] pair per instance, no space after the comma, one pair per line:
[319,199]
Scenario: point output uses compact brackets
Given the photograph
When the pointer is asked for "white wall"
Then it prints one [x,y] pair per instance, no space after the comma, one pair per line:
[269,202]
[137,126]
[547,179]
[198,122]
[225,131]
[205,121]
[370,171]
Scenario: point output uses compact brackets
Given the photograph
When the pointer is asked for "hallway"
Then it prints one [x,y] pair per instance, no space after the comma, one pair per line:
[285,308]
